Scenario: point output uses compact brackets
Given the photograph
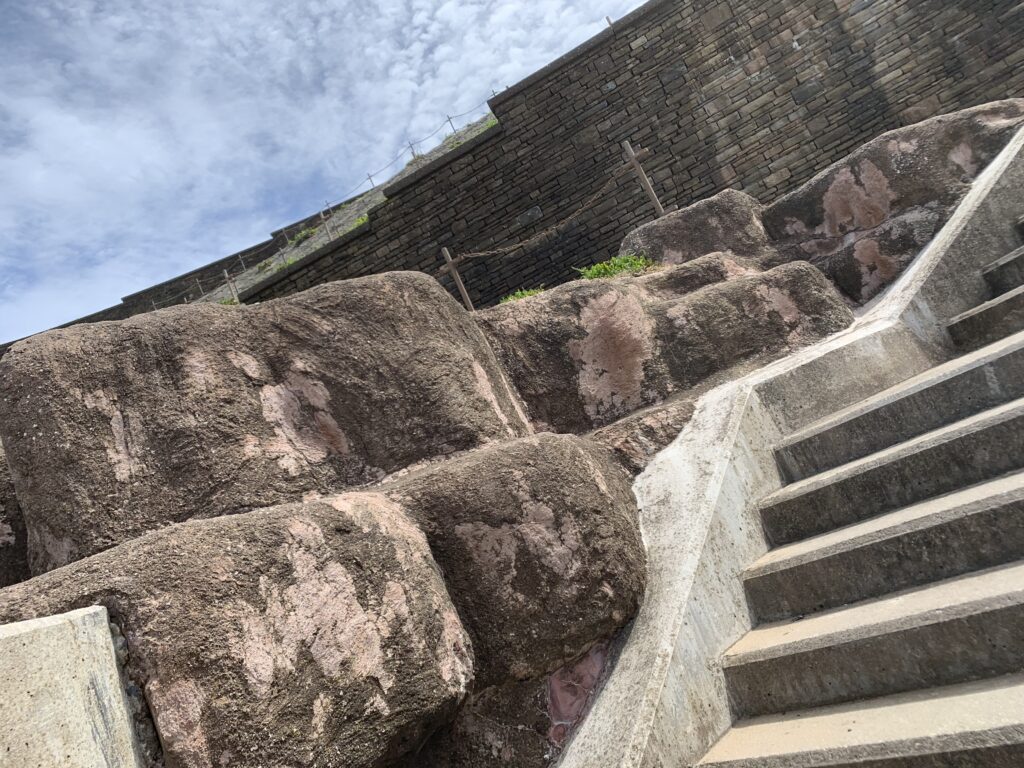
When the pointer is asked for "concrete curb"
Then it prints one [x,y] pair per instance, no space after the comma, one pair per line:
[62,702]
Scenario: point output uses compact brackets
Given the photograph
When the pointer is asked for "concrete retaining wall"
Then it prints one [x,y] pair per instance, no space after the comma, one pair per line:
[62,704]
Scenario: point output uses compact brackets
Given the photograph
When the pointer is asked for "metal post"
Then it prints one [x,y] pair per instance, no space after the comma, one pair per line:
[242,262]
[372,185]
[413,148]
[454,272]
[448,117]
[231,285]
[642,176]
[202,293]
[609,20]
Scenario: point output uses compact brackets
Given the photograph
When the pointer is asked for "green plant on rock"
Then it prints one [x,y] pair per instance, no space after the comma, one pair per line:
[302,235]
[623,264]
[522,293]
[229,302]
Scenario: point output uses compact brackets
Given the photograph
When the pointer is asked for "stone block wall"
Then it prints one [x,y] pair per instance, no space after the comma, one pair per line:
[751,94]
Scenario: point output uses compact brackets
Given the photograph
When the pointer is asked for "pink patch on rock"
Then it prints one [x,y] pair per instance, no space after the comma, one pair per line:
[570,692]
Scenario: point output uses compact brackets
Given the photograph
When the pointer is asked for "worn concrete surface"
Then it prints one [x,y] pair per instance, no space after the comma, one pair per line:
[62,702]
[943,537]
[963,726]
[634,723]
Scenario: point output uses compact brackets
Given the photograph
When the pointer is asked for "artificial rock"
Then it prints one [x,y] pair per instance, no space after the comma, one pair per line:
[588,353]
[13,538]
[114,429]
[864,219]
[306,634]
[539,543]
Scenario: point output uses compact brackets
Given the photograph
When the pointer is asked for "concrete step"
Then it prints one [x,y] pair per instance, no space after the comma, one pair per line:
[951,632]
[978,527]
[991,321]
[1005,274]
[965,386]
[972,725]
[973,450]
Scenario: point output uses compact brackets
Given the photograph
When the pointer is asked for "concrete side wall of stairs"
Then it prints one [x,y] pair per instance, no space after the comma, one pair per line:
[675,690]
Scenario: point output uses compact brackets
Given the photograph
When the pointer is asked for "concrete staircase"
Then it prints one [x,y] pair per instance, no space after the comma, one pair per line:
[889,617]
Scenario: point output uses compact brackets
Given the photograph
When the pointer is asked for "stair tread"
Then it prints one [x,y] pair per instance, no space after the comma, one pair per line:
[979,714]
[946,600]
[1009,296]
[916,516]
[911,386]
[998,263]
[944,434]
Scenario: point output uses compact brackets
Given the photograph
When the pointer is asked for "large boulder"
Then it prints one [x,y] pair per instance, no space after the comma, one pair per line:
[115,429]
[865,218]
[278,636]
[13,539]
[540,546]
[729,221]
[588,353]
[307,634]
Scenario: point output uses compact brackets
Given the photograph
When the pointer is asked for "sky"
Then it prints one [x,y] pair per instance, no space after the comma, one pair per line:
[142,139]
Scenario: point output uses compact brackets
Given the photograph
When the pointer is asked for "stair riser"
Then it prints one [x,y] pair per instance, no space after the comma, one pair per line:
[970,393]
[1006,277]
[971,648]
[957,546]
[968,459]
[1009,756]
[996,323]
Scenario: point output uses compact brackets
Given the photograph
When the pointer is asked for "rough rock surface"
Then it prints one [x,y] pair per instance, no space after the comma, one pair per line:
[540,546]
[729,221]
[307,634]
[588,353]
[114,429]
[13,544]
[864,219]
[518,724]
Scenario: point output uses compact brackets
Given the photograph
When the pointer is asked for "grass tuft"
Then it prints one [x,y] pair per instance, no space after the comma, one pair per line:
[626,264]
[522,293]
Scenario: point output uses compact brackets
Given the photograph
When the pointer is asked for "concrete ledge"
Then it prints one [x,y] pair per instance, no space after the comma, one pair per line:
[665,702]
[62,703]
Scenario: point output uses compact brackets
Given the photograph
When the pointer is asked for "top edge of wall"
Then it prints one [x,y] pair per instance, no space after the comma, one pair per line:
[568,58]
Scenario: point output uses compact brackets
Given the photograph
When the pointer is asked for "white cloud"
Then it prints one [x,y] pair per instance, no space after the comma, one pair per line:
[140,139]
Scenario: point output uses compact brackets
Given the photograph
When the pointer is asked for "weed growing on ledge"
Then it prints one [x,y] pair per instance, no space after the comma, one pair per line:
[302,235]
[229,302]
[364,219]
[627,263]
[286,263]
[522,293]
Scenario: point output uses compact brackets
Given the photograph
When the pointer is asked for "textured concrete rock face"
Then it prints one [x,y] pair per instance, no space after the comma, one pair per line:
[864,219]
[13,539]
[540,546]
[115,429]
[518,725]
[307,634]
[589,353]
[729,221]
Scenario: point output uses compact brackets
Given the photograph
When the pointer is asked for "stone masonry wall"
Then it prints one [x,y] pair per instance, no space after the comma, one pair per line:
[756,95]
